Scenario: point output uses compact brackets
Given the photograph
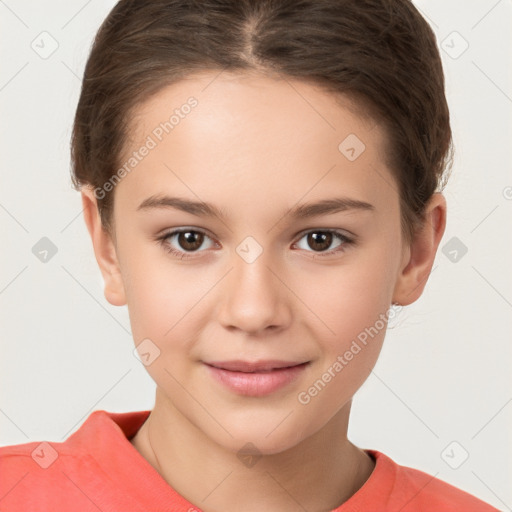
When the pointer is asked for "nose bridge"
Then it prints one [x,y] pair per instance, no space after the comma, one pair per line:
[253,298]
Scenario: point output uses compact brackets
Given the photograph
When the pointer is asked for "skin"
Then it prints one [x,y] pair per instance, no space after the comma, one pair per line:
[256,147]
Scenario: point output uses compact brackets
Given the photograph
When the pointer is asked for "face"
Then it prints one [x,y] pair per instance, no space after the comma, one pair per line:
[265,317]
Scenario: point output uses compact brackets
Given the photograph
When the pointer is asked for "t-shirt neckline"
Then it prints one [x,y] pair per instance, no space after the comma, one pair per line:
[105,437]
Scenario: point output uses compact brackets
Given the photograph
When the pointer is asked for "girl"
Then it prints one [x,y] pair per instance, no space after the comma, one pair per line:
[261,183]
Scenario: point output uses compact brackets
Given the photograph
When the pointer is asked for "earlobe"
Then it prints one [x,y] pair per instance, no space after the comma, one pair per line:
[421,253]
[104,250]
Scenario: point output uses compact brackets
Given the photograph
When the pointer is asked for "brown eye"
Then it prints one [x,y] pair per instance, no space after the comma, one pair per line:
[190,240]
[185,243]
[320,240]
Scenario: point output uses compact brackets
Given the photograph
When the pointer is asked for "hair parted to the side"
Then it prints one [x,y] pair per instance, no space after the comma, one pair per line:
[380,53]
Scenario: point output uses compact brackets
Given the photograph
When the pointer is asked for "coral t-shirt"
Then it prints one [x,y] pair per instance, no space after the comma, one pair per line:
[98,469]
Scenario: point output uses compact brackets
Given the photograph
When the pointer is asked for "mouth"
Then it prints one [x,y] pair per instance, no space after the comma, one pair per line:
[255,378]
[254,367]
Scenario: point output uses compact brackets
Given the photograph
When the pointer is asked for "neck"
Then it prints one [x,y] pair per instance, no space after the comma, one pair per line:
[318,474]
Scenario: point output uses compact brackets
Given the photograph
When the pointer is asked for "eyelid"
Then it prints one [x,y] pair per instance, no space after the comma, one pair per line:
[346,242]
[300,234]
[342,232]
[176,231]
[167,233]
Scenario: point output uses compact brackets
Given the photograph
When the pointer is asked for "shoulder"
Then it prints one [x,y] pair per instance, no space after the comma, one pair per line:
[30,470]
[414,490]
[68,475]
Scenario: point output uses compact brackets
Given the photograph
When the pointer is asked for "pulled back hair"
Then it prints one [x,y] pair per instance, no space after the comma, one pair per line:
[380,53]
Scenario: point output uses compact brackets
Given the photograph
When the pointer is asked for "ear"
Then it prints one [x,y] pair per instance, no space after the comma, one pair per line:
[419,258]
[104,250]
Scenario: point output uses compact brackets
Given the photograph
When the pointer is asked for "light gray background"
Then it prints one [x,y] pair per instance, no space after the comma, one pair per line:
[444,372]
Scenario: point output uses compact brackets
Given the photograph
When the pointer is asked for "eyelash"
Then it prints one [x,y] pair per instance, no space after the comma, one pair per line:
[346,241]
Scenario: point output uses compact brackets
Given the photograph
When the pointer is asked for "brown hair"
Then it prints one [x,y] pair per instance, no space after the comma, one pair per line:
[382,53]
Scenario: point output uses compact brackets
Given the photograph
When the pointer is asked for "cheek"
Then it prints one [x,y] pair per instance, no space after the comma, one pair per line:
[350,338]
[164,297]
[166,303]
[350,297]
[154,297]
[159,303]
[352,304]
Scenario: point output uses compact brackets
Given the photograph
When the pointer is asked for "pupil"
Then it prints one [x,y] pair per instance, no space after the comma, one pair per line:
[188,240]
[325,240]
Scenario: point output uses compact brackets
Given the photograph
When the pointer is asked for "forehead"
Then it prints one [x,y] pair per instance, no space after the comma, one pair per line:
[257,137]
[225,98]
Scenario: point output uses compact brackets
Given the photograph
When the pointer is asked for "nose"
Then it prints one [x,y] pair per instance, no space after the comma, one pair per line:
[254,297]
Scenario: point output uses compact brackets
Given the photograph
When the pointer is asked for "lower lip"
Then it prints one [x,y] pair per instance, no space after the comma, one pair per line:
[257,383]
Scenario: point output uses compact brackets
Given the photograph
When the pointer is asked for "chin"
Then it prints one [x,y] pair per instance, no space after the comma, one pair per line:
[269,436]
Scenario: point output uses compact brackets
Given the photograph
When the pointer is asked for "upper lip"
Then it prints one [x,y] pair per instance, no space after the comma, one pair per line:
[253,366]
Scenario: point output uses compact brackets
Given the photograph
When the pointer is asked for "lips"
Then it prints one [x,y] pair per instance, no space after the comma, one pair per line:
[255,378]
[252,367]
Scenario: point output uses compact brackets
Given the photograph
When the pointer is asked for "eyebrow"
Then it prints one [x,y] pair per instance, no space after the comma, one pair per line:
[303,211]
